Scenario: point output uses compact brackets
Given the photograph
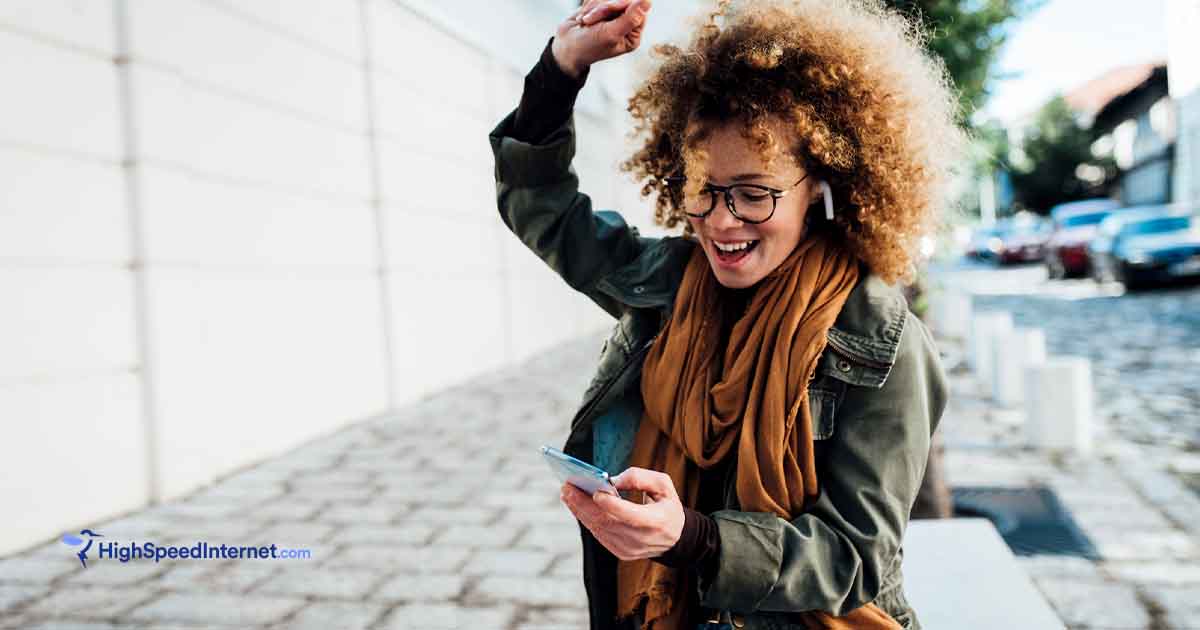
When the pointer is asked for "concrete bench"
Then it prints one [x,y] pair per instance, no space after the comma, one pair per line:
[958,573]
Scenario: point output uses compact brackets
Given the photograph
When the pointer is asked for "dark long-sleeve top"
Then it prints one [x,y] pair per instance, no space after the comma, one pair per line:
[546,103]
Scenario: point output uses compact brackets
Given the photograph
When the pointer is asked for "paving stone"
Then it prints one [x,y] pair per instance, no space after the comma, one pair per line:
[317,490]
[402,558]
[13,596]
[296,535]
[216,609]
[1119,544]
[113,572]
[238,577]
[447,617]
[67,624]
[1061,566]
[447,492]
[1094,604]
[34,570]
[286,509]
[556,515]
[567,566]
[415,534]
[477,535]
[563,538]
[513,562]
[1180,605]
[521,499]
[88,602]
[347,514]
[335,616]
[542,591]
[421,587]
[324,583]
[1156,572]
[458,515]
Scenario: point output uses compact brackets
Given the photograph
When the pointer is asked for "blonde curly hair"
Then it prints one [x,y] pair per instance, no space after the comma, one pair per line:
[874,115]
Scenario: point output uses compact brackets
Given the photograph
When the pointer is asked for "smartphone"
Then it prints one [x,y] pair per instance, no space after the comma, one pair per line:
[578,473]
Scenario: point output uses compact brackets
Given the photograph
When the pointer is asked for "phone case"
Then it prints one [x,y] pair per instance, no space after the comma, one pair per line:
[578,473]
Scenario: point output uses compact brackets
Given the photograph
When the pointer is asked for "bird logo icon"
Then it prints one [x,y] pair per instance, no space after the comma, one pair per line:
[75,541]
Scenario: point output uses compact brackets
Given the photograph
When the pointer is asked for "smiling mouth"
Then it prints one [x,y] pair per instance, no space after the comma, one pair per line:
[733,252]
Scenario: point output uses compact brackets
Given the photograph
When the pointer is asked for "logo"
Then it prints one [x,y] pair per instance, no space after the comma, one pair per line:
[75,541]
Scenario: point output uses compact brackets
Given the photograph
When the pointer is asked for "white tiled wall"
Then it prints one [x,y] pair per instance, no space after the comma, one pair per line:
[199,254]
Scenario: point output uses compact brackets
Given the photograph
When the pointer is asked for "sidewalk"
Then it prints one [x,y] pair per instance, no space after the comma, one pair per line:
[444,516]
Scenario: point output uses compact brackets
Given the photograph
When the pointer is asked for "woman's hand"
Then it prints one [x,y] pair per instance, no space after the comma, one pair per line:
[606,28]
[627,529]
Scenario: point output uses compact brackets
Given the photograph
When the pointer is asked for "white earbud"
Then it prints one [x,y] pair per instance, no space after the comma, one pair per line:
[828,195]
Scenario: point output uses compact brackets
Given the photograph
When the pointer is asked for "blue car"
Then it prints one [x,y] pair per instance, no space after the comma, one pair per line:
[1148,245]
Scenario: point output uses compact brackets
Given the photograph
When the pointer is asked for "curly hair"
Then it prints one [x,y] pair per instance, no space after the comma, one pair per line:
[874,115]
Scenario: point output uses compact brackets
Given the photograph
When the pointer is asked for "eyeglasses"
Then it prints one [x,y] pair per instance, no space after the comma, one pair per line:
[752,203]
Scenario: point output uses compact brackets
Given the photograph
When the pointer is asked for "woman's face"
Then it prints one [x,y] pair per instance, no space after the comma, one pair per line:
[732,160]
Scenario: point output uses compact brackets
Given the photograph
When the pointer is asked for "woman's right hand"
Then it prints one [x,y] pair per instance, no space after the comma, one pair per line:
[606,29]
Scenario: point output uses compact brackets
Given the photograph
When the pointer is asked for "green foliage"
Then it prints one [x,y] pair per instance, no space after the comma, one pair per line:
[968,36]
[1054,148]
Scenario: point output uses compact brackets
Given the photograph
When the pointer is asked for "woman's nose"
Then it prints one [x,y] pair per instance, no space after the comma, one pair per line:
[721,218]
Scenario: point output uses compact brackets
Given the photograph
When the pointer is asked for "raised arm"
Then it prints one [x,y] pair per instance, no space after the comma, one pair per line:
[537,189]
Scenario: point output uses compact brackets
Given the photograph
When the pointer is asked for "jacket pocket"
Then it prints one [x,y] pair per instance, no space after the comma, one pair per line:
[822,403]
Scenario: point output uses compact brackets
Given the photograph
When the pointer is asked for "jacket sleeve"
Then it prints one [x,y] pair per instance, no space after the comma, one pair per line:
[833,557]
[537,194]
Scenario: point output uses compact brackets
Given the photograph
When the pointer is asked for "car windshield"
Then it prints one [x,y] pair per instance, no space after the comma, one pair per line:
[1092,218]
[1157,225]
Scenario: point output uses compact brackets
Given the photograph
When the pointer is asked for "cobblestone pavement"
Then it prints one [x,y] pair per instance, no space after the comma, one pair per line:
[1130,499]
[443,516]
[1144,347]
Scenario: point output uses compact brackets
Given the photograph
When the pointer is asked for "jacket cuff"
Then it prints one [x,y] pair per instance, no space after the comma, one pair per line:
[748,565]
[524,164]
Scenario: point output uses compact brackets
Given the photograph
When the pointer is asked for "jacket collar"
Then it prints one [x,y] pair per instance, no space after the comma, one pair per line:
[867,330]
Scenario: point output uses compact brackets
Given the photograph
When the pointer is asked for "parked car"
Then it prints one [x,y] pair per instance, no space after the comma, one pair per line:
[1074,226]
[1023,241]
[985,244]
[1148,245]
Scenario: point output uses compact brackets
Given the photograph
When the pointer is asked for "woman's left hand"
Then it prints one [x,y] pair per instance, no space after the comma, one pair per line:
[627,529]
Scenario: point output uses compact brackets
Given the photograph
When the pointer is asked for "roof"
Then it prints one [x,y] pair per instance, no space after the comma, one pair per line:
[1092,96]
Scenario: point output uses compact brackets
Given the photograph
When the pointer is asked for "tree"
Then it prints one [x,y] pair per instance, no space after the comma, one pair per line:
[968,36]
[1056,150]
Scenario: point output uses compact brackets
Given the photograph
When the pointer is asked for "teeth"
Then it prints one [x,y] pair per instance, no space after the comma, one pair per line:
[732,247]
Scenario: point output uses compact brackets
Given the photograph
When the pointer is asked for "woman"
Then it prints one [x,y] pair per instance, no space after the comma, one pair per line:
[766,394]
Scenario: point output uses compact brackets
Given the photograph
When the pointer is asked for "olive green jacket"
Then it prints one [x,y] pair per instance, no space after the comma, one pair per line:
[878,395]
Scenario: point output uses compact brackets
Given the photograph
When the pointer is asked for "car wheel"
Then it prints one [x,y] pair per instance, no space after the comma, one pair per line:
[1132,285]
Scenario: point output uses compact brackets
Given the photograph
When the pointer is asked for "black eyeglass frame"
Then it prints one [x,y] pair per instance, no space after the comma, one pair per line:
[713,189]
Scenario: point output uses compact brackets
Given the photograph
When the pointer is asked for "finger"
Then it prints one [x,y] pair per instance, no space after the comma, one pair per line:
[657,484]
[582,505]
[629,23]
[605,11]
[588,6]
[632,514]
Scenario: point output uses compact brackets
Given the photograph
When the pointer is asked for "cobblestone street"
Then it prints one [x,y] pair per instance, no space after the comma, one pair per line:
[1131,500]
[444,515]
[1144,347]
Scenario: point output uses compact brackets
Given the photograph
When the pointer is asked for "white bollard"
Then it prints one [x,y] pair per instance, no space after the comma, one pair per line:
[1058,404]
[1011,352]
[952,314]
[985,326]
